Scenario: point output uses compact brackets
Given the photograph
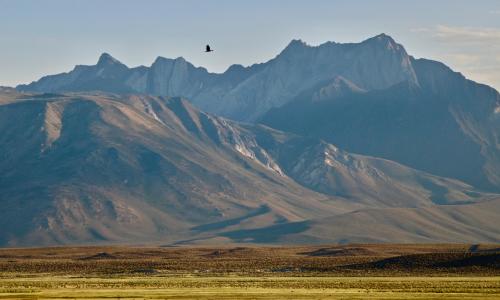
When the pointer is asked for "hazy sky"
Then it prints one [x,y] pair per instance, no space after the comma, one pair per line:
[40,37]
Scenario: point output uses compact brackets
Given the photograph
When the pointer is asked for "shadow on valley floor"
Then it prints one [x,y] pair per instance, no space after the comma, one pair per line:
[263,209]
[344,251]
[435,261]
[270,234]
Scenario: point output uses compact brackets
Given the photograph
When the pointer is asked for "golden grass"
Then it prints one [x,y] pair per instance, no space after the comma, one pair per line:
[249,272]
[243,287]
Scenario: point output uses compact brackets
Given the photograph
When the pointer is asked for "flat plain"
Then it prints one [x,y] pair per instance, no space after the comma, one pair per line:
[385,271]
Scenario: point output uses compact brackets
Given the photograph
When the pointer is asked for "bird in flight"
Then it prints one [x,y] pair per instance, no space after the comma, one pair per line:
[208,49]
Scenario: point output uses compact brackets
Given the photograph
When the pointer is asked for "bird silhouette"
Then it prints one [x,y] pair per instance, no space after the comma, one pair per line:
[208,49]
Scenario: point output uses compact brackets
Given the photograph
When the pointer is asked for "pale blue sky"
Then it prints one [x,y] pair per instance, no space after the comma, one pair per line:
[40,37]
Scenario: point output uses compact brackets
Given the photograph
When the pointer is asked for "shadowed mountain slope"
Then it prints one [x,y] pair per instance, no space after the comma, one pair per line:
[103,168]
[448,125]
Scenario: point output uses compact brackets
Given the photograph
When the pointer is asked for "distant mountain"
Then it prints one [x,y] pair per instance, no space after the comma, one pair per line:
[242,93]
[446,125]
[101,168]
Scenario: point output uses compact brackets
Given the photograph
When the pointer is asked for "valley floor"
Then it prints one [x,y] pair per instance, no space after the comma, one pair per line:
[381,271]
[242,287]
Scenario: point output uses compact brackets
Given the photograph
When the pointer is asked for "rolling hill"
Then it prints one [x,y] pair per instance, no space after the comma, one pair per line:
[86,168]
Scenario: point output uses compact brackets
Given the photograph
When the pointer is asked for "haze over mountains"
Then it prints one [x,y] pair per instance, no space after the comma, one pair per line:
[117,154]
[240,93]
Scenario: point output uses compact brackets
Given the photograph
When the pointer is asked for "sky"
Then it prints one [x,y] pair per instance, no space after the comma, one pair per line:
[41,37]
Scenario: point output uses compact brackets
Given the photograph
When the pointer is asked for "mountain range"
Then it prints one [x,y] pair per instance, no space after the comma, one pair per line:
[336,143]
[244,93]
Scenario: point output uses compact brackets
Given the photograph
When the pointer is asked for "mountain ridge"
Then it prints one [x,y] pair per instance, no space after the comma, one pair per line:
[107,168]
[217,92]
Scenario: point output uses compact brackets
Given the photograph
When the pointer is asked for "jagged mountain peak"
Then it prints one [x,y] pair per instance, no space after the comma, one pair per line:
[383,37]
[297,43]
[295,46]
[386,43]
[159,59]
[380,39]
[163,59]
[107,59]
[179,61]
